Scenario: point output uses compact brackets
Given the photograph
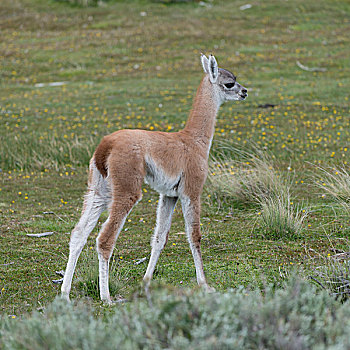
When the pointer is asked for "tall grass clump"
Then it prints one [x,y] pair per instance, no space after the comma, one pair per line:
[295,317]
[245,177]
[335,183]
[252,179]
[30,152]
[333,274]
[87,276]
[280,219]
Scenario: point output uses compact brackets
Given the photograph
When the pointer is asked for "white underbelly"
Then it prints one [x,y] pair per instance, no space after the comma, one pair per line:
[161,182]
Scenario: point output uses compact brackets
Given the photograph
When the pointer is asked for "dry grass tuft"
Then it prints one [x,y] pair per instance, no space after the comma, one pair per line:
[335,182]
[27,152]
[251,179]
[248,179]
[280,218]
[87,276]
[333,273]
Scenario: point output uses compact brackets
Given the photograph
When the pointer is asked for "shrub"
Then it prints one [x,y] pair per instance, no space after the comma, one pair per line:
[295,317]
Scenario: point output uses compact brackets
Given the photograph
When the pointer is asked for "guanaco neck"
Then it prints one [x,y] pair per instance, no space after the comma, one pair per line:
[201,121]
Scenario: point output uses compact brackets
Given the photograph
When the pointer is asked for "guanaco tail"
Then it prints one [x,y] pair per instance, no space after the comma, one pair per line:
[173,163]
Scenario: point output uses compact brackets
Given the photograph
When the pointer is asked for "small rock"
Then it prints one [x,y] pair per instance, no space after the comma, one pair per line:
[245,7]
[138,262]
[58,281]
[44,234]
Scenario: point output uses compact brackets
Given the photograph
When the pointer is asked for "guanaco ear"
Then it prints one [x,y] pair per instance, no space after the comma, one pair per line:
[205,63]
[213,69]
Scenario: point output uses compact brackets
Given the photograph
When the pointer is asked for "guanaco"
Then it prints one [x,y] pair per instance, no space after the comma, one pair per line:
[173,163]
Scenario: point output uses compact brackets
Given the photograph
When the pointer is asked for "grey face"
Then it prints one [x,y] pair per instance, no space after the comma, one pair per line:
[229,88]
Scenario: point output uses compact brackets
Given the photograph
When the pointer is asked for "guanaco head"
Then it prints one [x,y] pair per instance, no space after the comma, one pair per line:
[223,81]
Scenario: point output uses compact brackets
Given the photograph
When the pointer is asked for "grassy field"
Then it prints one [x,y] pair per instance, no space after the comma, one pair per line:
[135,64]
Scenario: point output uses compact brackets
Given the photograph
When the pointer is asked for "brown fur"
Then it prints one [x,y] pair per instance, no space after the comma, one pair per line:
[184,151]
[175,164]
[121,155]
[101,155]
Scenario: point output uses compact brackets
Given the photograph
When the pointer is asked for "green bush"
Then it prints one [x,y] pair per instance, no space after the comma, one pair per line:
[295,317]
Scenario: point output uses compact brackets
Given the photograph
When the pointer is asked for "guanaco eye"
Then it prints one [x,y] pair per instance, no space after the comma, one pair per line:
[229,85]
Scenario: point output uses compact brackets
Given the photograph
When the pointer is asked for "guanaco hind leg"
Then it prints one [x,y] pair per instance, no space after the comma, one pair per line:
[94,205]
[121,206]
[126,178]
[165,212]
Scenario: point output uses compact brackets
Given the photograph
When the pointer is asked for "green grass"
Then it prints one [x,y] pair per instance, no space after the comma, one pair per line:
[126,70]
